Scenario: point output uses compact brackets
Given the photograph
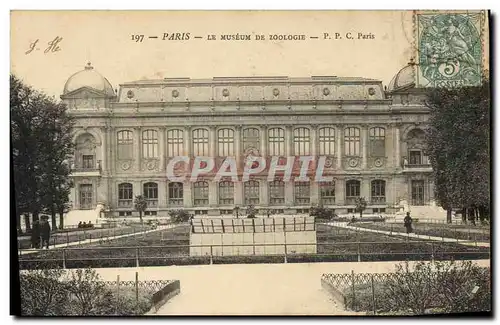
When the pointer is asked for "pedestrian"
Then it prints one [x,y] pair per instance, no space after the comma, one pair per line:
[35,234]
[407,222]
[45,231]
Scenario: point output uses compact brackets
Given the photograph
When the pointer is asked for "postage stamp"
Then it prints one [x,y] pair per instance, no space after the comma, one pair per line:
[449,48]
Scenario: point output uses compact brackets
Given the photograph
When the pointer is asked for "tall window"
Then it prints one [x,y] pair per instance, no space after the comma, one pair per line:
[377,142]
[226,193]
[225,140]
[151,194]
[125,142]
[200,190]
[200,142]
[276,142]
[352,190]
[277,192]
[88,161]
[125,195]
[86,196]
[251,139]
[327,192]
[378,191]
[301,141]
[417,192]
[175,194]
[251,189]
[351,141]
[175,143]
[415,157]
[327,141]
[150,144]
[302,193]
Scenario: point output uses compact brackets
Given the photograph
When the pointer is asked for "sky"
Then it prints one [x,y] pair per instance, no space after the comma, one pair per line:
[106,39]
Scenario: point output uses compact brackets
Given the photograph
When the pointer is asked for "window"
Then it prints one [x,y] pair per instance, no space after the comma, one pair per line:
[175,194]
[415,157]
[302,193]
[251,189]
[276,142]
[302,211]
[251,139]
[277,192]
[225,138]
[377,142]
[88,161]
[125,213]
[378,210]
[151,194]
[125,144]
[327,141]
[200,142]
[175,143]
[378,191]
[226,212]
[150,144]
[150,213]
[301,142]
[351,210]
[86,196]
[200,212]
[351,141]
[125,195]
[327,193]
[200,193]
[417,192]
[352,191]
[226,193]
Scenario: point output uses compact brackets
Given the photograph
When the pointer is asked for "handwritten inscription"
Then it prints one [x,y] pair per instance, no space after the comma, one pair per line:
[51,46]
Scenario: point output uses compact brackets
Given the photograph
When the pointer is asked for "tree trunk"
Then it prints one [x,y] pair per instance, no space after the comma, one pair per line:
[140,216]
[18,223]
[360,214]
[35,216]
[448,215]
[464,215]
[61,220]
[27,222]
[54,220]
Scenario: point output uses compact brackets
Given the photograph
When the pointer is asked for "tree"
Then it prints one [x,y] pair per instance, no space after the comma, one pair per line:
[140,205]
[360,205]
[237,211]
[251,211]
[458,145]
[179,216]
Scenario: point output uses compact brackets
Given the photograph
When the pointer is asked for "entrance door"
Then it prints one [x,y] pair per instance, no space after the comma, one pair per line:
[417,192]
[85,196]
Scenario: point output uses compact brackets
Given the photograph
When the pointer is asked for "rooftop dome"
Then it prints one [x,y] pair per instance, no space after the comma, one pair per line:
[404,78]
[90,78]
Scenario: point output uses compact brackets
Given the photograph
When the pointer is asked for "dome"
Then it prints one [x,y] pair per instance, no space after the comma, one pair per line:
[90,78]
[404,78]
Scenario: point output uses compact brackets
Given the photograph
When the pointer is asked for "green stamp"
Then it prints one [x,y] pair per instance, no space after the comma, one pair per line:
[449,49]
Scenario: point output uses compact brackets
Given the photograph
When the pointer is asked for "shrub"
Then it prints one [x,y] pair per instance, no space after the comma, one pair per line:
[179,216]
[42,292]
[251,211]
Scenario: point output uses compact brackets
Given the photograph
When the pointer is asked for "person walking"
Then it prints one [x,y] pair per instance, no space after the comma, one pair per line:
[407,222]
[45,231]
[35,234]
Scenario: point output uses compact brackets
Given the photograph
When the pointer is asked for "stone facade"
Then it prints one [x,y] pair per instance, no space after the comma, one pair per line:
[372,139]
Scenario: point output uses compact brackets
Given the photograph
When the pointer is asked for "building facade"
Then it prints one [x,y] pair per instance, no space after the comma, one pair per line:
[372,138]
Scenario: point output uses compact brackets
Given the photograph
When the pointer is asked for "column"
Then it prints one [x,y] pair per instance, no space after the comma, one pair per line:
[137,148]
[212,147]
[111,150]
[263,192]
[340,191]
[314,140]
[364,143]
[212,194]
[162,193]
[238,193]
[263,140]
[288,141]
[397,146]
[365,189]
[289,197]
[237,144]
[161,152]
[187,141]
[314,192]
[188,198]
[339,147]
[104,147]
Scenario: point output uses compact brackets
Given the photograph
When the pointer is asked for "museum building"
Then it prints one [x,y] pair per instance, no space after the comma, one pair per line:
[372,137]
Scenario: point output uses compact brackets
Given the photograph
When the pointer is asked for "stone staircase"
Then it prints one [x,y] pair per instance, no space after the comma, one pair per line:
[73,217]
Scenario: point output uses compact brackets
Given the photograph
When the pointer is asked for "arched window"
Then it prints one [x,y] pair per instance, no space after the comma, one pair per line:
[302,193]
[251,139]
[175,194]
[327,192]
[352,190]
[151,194]
[150,144]
[276,142]
[301,142]
[125,142]
[378,191]
[125,195]
[351,142]
[225,140]
[226,193]
[200,190]
[327,141]
[377,142]
[85,152]
[251,189]
[200,142]
[175,143]
[277,192]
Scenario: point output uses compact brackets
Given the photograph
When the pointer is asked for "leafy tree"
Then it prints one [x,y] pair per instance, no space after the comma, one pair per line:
[361,205]
[179,216]
[140,205]
[251,211]
[458,145]
[237,211]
